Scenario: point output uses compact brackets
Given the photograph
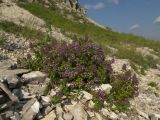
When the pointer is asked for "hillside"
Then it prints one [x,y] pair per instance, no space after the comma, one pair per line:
[38,35]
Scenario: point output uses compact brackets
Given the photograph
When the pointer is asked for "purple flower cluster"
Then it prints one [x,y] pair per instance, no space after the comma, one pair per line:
[79,61]
[101,95]
[129,78]
[129,75]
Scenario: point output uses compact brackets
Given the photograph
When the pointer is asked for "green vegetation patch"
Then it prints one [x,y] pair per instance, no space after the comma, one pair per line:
[153,84]
[124,87]
[137,58]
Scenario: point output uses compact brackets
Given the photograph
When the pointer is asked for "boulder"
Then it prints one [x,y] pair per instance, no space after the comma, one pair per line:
[104,87]
[86,95]
[34,77]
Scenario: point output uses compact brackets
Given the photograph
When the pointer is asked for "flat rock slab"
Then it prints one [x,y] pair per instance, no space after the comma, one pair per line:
[34,77]
[4,73]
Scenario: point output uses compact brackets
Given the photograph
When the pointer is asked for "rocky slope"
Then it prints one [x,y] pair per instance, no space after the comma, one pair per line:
[21,90]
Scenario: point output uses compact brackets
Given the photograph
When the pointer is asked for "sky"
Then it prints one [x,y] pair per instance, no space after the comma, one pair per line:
[141,17]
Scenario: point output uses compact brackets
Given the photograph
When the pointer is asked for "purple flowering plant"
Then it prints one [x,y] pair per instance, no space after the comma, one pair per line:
[80,63]
[124,87]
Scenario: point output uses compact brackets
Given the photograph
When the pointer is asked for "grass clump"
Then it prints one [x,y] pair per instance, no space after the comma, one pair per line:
[152,84]
[56,99]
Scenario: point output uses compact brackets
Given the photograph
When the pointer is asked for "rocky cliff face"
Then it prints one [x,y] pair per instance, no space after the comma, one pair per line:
[70,5]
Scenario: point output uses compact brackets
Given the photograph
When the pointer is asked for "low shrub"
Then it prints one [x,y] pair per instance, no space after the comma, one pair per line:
[152,84]
[98,98]
[124,87]
[80,64]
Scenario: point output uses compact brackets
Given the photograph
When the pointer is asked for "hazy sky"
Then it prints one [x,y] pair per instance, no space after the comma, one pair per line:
[140,17]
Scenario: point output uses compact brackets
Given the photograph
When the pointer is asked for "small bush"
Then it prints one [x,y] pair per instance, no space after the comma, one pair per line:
[124,87]
[98,99]
[152,84]
[80,64]
[56,99]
